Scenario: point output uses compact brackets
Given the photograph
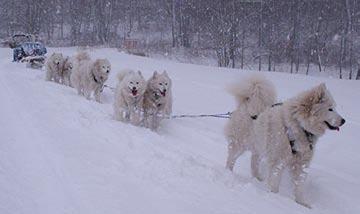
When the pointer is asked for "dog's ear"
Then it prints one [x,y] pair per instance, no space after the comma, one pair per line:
[312,97]
[165,73]
[139,72]
[97,64]
[320,93]
[155,74]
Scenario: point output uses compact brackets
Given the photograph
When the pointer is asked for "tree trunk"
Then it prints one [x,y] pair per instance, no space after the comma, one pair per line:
[260,32]
[173,23]
[269,61]
[319,61]
[242,48]
[349,31]
[341,57]
[308,66]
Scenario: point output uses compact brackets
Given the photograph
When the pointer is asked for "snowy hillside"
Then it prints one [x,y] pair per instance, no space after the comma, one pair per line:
[60,153]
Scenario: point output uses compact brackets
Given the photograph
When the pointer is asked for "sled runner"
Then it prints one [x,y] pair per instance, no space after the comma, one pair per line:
[35,62]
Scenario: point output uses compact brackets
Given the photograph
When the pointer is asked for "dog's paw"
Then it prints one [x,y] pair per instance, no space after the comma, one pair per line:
[301,202]
[259,178]
[274,189]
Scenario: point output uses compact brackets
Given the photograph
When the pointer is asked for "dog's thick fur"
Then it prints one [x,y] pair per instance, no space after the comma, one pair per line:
[54,65]
[129,94]
[253,96]
[66,71]
[157,100]
[286,136]
[89,75]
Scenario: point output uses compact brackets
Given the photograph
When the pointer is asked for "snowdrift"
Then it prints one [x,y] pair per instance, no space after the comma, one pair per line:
[60,153]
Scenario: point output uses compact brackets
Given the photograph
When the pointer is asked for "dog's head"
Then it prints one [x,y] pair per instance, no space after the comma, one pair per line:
[160,83]
[135,83]
[57,59]
[315,110]
[101,69]
[68,65]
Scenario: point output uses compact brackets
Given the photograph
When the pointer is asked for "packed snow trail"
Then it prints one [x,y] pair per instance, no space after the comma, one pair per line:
[60,153]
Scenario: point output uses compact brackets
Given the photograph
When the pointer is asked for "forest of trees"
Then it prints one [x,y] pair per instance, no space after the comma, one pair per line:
[266,33]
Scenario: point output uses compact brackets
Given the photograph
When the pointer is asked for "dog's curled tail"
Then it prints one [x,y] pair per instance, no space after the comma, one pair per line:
[81,56]
[255,86]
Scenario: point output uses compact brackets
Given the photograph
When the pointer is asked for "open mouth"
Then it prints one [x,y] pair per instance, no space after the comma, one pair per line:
[134,92]
[332,127]
[163,93]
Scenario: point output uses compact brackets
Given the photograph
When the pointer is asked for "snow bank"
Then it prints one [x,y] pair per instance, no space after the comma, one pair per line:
[60,153]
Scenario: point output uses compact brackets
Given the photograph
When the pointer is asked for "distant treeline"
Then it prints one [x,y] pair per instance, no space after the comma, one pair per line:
[300,33]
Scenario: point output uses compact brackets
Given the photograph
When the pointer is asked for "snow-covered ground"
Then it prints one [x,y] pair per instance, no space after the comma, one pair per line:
[60,153]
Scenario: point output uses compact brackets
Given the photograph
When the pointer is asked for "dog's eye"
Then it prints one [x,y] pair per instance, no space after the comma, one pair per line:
[131,83]
[137,83]
[330,109]
[165,83]
[160,83]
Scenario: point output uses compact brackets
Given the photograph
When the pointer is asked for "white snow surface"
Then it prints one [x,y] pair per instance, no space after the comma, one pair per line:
[60,153]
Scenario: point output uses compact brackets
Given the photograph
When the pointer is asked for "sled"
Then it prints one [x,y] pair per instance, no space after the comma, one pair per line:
[35,62]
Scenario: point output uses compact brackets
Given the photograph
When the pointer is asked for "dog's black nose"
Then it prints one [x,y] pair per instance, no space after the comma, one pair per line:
[342,121]
[134,88]
[164,90]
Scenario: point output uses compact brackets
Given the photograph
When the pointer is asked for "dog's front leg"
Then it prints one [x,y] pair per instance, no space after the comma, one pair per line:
[97,94]
[234,151]
[56,78]
[299,175]
[120,114]
[79,91]
[48,75]
[156,121]
[153,121]
[87,93]
[135,117]
[146,119]
[255,166]
[275,172]
[67,81]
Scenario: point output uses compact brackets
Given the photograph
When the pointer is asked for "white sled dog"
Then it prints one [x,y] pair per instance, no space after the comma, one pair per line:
[286,136]
[129,95]
[89,75]
[253,96]
[157,100]
[54,65]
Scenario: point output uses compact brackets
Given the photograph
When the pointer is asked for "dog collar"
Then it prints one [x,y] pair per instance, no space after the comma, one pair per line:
[310,137]
[97,81]
[254,117]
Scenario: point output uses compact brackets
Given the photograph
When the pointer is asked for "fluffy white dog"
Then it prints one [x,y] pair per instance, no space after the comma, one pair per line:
[89,75]
[54,65]
[157,100]
[286,136]
[129,96]
[253,96]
